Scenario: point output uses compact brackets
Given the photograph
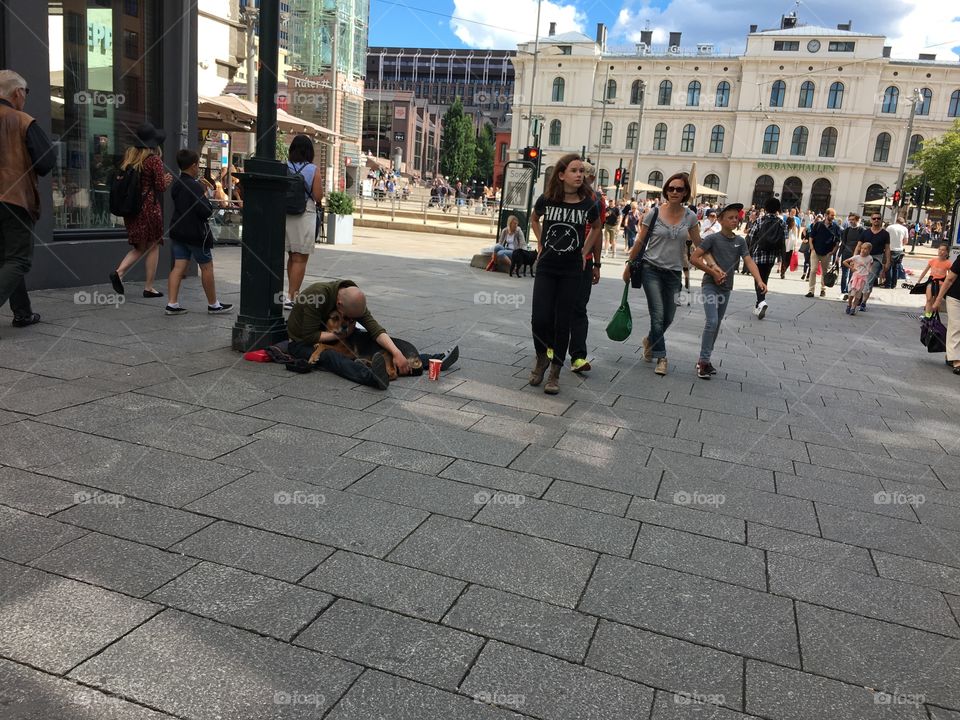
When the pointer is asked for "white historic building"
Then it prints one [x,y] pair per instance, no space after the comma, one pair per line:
[817,116]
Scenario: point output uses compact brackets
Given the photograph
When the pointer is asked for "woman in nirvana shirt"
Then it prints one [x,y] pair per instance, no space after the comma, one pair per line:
[560,220]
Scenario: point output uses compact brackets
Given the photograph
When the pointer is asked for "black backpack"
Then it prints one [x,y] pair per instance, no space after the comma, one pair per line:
[126,197]
[296,192]
[769,235]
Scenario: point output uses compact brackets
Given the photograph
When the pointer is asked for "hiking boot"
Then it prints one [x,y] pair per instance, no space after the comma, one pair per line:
[552,386]
[647,350]
[703,369]
[539,368]
[661,368]
[379,369]
[580,365]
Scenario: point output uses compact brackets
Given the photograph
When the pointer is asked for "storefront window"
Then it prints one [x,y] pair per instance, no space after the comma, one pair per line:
[100,83]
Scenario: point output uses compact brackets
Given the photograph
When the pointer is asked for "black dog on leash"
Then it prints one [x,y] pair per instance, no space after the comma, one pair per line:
[523,259]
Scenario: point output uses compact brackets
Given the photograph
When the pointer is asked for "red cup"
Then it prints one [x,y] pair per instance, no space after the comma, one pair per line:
[434,372]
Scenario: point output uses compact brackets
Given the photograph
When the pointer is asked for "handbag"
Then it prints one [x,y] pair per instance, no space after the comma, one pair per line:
[621,325]
[805,247]
[830,276]
[794,261]
[933,334]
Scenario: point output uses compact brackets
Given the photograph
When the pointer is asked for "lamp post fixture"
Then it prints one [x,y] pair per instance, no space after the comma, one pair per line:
[636,146]
[906,145]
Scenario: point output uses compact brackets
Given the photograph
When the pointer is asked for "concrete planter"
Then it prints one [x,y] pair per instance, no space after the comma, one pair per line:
[340,229]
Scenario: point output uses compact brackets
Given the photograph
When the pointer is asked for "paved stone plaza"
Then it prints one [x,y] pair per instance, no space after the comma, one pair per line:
[185,534]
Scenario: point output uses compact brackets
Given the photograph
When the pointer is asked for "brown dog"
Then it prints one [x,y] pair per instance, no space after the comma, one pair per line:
[360,346]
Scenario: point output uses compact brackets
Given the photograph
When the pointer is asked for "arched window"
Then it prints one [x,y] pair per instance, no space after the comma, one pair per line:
[771,140]
[611,89]
[660,137]
[636,92]
[693,94]
[712,181]
[716,139]
[723,94]
[806,95]
[777,93]
[633,129]
[606,134]
[954,109]
[762,190]
[655,178]
[687,138]
[792,192]
[916,144]
[820,195]
[554,132]
[603,177]
[881,150]
[891,97]
[926,97]
[835,97]
[557,94]
[666,93]
[828,143]
[874,192]
[798,145]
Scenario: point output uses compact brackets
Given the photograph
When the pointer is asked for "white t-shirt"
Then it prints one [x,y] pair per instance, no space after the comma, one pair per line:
[898,233]
[708,227]
[793,239]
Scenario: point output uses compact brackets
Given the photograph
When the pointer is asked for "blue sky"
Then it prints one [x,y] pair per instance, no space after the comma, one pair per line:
[912,26]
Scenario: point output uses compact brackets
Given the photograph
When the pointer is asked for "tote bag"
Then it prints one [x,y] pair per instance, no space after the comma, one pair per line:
[620,327]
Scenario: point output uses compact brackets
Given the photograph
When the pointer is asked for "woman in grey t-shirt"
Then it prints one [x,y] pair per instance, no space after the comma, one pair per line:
[664,246]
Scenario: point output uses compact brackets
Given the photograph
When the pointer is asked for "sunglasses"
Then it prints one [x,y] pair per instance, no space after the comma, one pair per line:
[875,219]
[674,188]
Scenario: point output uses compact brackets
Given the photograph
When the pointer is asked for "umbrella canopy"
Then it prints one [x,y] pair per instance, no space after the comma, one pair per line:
[229,112]
[645,187]
[709,192]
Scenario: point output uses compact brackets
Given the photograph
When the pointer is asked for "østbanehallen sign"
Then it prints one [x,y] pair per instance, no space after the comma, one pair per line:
[796,166]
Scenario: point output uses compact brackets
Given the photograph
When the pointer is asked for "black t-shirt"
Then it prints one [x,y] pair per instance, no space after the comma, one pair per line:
[564,228]
[613,213]
[954,290]
[878,241]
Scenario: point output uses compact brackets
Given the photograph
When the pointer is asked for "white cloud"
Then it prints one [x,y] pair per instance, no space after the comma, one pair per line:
[509,22]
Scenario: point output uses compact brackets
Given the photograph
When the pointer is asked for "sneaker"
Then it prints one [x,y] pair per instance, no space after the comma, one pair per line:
[703,369]
[549,353]
[379,369]
[449,358]
[863,307]
[116,282]
[762,309]
[853,310]
[25,320]
[222,310]
[647,350]
[288,304]
[848,310]
[174,310]
[809,294]
[846,296]
[661,368]
[580,365]
[823,292]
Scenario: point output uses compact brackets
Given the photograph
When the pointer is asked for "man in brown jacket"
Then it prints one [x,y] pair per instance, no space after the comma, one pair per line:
[26,154]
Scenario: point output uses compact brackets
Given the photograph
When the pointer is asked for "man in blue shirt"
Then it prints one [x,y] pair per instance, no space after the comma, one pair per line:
[824,239]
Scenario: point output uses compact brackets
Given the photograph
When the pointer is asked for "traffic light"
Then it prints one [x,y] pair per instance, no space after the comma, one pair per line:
[624,177]
[617,174]
[897,195]
[531,154]
[915,194]
[928,201]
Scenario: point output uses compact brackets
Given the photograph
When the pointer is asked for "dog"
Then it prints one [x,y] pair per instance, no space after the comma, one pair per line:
[522,259]
[360,346]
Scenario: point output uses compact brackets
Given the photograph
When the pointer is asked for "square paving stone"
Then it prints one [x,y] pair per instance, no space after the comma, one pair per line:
[834,494]
[419,412]
[331,517]
[679,466]
[868,464]
[192,667]
[24,537]
[520,621]
[230,390]
[938,515]
[941,714]
[258,551]
[809,547]
[377,696]
[397,644]
[667,663]
[727,617]
[681,706]
[37,401]
[552,688]
[194,440]
[536,568]
[315,415]
[527,399]
[32,445]
[839,477]
[588,470]
[699,555]
[242,599]
[53,623]
[121,565]
[880,655]
[861,594]
[562,523]
[27,694]
[433,494]
[401,458]
[688,519]
[316,464]
[131,519]
[588,498]
[518,430]
[774,692]
[385,584]
[34,493]
[917,572]
[455,443]
[495,477]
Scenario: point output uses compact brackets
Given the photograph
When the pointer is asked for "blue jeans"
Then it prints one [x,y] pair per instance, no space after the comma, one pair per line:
[503,252]
[875,271]
[845,275]
[661,287]
[715,301]
[630,236]
[896,260]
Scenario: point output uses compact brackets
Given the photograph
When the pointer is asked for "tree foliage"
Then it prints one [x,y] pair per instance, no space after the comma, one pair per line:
[485,149]
[458,146]
[939,162]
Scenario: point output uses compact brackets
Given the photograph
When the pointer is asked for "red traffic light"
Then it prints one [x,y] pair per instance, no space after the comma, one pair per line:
[896,197]
[617,175]
[531,153]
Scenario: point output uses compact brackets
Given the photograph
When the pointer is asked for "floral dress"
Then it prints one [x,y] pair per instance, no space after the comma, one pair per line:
[147,226]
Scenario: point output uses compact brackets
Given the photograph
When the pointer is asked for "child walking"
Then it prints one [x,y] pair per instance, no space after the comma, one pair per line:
[859,266]
[938,268]
[726,249]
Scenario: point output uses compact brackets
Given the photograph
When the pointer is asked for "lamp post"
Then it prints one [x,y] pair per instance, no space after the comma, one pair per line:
[906,143]
[636,148]
[603,116]
[533,77]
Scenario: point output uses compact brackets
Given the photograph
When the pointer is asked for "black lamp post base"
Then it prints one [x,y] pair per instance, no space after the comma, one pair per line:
[253,333]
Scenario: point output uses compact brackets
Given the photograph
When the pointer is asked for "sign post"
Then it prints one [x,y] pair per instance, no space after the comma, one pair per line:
[516,197]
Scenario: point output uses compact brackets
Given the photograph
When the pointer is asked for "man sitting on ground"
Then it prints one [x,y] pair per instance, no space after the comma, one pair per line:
[308,325]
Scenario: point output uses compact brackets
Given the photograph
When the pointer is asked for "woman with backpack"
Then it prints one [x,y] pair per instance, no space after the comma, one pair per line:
[143,168]
[300,234]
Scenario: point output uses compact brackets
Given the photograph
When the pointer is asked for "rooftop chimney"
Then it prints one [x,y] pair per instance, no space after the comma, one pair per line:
[753,28]
[928,56]
[887,49]
[602,36]
[788,21]
[675,40]
[646,37]
[553,29]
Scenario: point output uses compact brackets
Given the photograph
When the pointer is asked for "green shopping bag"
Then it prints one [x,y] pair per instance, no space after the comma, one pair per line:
[621,325]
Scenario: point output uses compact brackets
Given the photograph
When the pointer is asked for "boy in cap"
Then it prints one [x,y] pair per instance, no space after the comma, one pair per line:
[725,249]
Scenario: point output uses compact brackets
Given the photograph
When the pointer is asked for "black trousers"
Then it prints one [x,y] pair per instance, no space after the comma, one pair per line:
[554,297]
[16,257]
[578,321]
[765,276]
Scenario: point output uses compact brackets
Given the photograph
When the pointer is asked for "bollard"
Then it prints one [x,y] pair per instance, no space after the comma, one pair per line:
[458,215]
[424,213]
[393,208]
[361,205]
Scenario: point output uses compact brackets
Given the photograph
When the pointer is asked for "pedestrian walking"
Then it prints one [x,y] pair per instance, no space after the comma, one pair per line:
[767,243]
[190,236]
[631,223]
[27,153]
[937,267]
[300,230]
[145,226]
[590,276]
[662,239]
[849,240]
[611,224]
[898,234]
[560,220]
[950,290]
[790,246]
[859,267]
[879,240]
[824,239]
